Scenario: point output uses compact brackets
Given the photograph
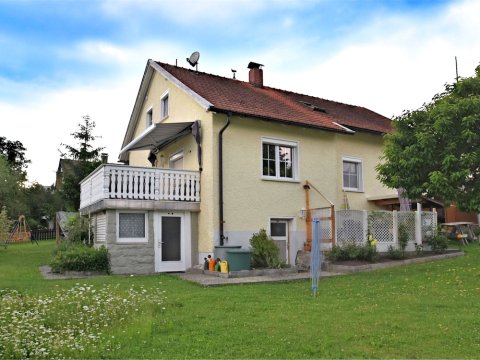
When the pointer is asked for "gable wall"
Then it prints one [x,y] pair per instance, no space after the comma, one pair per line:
[182,108]
[250,201]
[368,148]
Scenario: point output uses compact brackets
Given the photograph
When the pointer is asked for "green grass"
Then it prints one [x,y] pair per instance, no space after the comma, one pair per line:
[420,311]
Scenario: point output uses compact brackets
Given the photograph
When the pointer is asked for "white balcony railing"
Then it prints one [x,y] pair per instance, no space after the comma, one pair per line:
[139,183]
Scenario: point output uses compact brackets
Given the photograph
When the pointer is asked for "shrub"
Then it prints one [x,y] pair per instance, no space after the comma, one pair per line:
[367,252]
[350,250]
[79,230]
[399,253]
[78,257]
[265,251]
[395,253]
[419,249]
[438,243]
[402,238]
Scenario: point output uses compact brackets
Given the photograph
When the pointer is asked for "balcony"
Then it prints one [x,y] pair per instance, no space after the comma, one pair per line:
[121,186]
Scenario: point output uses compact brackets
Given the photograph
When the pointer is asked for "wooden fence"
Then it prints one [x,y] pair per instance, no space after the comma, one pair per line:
[48,234]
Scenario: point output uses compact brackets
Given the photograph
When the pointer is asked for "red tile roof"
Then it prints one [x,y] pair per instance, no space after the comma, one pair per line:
[239,97]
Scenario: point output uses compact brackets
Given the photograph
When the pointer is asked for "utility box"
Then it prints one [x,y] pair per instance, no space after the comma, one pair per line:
[239,259]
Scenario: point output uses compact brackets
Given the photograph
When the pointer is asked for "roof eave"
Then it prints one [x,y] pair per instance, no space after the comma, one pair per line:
[142,91]
[371,131]
[205,104]
[147,76]
[341,129]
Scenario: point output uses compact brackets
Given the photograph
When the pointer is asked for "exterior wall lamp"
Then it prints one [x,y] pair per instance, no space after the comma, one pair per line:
[303,213]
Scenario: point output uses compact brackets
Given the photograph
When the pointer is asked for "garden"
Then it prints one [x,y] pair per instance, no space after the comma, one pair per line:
[420,311]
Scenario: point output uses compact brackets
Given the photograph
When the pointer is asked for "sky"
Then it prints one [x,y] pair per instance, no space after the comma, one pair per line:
[63,59]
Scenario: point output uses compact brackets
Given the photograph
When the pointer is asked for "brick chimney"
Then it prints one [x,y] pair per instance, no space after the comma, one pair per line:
[104,157]
[255,75]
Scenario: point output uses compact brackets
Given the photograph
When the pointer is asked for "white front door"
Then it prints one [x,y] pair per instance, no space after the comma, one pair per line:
[279,234]
[172,230]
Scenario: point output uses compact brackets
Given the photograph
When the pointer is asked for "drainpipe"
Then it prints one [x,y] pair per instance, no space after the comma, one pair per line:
[220,177]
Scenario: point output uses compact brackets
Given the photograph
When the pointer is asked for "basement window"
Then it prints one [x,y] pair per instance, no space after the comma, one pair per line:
[132,227]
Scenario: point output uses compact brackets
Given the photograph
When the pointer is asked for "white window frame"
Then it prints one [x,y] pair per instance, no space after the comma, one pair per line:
[174,157]
[164,113]
[295,156]
[359,164]
[132,240]
[149,116]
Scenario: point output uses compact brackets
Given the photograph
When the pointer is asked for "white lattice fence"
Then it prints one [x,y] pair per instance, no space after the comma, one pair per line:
[380,225]
[349,226]
[429,223]
[355,225]
[325,225]
[407,219]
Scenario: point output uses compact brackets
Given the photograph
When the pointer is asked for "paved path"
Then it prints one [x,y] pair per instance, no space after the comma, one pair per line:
[209,280]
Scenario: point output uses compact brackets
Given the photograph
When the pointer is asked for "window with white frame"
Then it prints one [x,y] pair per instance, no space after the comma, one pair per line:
[279,159]
[132,227]
[149,117]
[164,106]
[176,161]
[352,174]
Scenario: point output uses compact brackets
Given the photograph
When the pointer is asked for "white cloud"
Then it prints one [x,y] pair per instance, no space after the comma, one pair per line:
[42,127]
[189,11]
[394,63]
[195,12]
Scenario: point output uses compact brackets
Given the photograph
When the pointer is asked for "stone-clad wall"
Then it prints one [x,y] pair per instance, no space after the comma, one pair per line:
[130,258]
[138,258]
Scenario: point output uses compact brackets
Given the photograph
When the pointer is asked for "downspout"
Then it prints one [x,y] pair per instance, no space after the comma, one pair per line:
[220,177]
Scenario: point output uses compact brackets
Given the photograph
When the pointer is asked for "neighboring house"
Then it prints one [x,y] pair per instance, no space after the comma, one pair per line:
[445,213]
[211,160]
[65,166]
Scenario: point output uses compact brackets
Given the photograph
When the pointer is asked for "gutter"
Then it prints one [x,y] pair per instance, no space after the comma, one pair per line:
[220,177]
[340,130]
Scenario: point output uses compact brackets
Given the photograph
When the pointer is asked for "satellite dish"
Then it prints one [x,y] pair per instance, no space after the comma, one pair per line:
[193,59]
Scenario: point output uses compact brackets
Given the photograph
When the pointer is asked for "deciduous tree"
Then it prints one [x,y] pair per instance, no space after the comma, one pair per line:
[14,152]
[435,151]
[11,189]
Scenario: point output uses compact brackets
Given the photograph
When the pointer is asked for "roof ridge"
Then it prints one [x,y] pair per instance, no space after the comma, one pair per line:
[197,72]
[264,86]
[284,105]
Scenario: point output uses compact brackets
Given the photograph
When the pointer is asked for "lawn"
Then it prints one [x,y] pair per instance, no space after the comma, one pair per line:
[420,311]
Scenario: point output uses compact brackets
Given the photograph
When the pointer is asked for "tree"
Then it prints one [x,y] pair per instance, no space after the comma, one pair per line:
[43,203]
[435,151]
[11,189]
[5,224]
[87,159]
[85,151]
[14,152]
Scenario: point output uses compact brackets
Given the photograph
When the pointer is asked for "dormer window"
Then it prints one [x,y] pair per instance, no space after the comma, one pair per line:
[164,106]
[149,117]
[314,107]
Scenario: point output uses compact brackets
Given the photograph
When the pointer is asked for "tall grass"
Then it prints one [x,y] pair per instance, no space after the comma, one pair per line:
[420,311]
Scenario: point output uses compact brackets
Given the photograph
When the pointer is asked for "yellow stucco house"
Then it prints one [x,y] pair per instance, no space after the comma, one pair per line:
[210,160]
